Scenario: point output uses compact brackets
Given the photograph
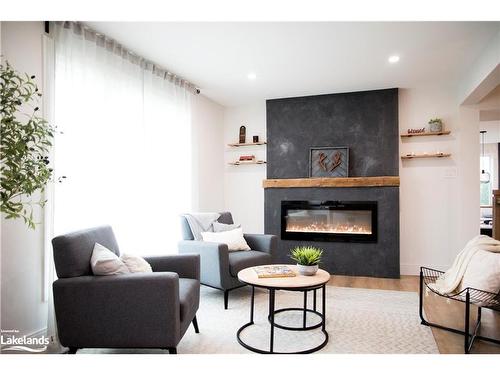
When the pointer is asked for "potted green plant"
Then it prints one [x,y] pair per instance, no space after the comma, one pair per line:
[307,258]
[25,146]
[436,125]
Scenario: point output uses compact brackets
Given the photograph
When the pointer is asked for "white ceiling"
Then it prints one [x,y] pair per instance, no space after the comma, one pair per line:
[303,58]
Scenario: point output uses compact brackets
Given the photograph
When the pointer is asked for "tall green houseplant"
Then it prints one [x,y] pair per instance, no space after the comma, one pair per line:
[26,139]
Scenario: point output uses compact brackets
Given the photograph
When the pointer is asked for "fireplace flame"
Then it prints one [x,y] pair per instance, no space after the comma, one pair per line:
[328,228]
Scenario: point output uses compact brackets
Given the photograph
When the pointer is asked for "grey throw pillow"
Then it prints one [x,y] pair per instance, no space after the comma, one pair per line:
[220,227]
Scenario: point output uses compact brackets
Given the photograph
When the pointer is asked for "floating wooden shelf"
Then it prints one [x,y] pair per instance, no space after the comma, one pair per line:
[446,132]
[247,162]
[422,156]
[246,144]
[331,182]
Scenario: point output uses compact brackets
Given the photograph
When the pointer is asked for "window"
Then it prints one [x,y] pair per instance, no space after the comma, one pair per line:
[125,148]
[486,188]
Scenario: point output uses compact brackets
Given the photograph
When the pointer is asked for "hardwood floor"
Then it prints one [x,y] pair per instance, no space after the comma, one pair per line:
[437,310]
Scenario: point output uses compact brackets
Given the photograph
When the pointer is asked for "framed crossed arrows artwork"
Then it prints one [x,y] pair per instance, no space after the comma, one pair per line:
[329,162]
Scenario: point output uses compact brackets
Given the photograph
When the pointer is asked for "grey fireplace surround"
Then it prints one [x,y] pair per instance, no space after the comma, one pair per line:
[367,123]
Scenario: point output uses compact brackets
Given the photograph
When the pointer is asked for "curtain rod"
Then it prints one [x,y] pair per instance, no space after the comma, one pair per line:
[146,64]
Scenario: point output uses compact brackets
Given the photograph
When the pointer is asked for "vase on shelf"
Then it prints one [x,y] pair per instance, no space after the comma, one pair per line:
[436,125]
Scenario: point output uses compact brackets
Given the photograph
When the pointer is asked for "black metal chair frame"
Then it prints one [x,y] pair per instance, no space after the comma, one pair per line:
[480,298]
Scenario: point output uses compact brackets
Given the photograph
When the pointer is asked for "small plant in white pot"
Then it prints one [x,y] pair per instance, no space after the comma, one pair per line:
[307,258]
[436,125]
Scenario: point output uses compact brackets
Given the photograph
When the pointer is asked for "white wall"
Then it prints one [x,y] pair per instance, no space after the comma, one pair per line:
[22,249]
[243,192]
[208,174]
[438,200]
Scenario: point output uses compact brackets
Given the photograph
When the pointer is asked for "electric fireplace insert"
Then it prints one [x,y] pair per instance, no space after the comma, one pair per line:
[329,221]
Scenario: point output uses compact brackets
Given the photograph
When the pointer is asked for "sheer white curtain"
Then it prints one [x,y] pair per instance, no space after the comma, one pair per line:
[126,144]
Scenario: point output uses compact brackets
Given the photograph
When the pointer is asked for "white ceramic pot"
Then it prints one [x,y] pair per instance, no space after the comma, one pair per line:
[436,127]
[307,270]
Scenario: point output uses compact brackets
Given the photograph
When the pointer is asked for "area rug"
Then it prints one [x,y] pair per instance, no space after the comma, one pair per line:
[358,321]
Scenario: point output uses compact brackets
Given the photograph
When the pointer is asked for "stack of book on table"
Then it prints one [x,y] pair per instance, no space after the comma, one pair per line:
[273,271]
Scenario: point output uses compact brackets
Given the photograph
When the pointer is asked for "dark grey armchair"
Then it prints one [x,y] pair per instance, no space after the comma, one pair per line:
[137,310]
[220,267]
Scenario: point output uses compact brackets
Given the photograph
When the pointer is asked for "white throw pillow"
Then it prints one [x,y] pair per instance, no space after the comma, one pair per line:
[233,238]
[104,262]
[483,272]
[221,227]
[135,263]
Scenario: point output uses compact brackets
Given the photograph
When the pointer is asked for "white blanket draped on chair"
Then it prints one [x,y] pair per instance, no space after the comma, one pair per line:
[451,279]
[201,222]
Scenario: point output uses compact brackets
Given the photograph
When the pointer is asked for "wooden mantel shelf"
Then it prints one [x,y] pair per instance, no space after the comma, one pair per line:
[331,182]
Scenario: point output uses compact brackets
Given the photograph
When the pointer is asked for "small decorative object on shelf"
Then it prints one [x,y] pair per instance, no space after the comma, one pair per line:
[255,139]
[416,131]
[247,157]
[307,258]
[436,125]
[243,132]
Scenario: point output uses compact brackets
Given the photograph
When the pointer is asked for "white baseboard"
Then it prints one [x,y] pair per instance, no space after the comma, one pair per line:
[414,269]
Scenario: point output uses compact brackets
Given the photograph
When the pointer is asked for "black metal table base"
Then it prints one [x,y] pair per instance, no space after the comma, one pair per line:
[272,313]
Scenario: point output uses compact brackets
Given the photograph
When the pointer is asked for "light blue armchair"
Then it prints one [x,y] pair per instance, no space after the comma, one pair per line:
[219,266]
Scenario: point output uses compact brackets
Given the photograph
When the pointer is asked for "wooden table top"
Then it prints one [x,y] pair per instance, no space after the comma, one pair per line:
[249,276]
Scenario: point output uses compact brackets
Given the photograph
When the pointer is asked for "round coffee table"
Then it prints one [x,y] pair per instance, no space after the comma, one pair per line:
[298,283]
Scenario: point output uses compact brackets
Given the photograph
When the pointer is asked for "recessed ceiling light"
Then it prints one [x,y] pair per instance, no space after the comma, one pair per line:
[393,59]
[251,76]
